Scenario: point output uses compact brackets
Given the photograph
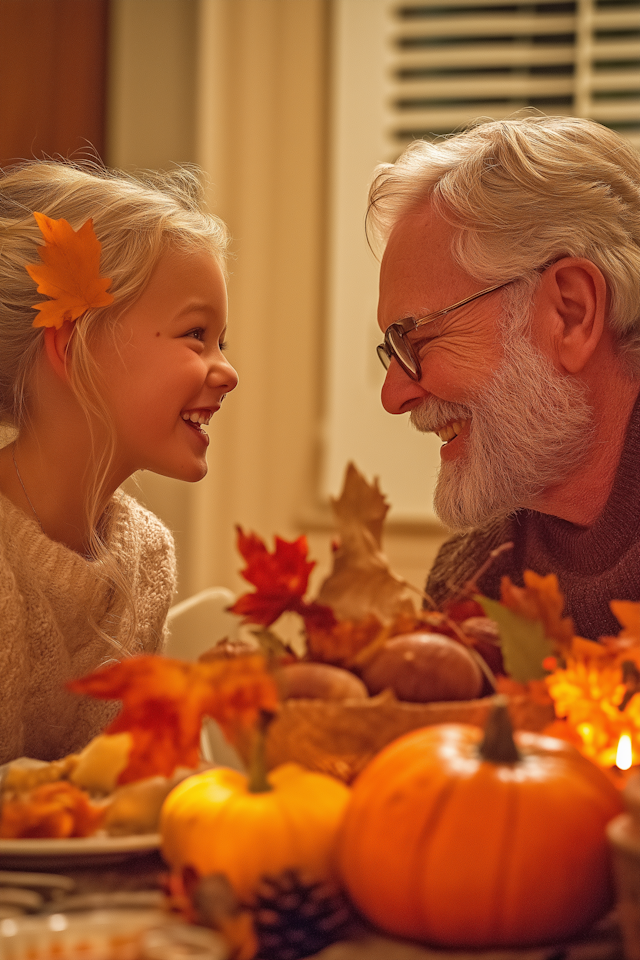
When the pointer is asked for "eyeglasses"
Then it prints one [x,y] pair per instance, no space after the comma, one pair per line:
[397,345]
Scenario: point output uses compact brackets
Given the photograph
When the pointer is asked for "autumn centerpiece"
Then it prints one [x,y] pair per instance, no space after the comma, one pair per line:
[365,664]
[360,608]
[369,657]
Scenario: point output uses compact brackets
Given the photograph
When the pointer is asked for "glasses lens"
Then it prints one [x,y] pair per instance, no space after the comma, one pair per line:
[385,359]
[401,350]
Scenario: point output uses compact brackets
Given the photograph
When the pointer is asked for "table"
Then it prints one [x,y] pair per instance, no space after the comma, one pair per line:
[138,882]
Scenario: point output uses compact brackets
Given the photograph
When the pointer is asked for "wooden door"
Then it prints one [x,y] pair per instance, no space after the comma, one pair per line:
[52,78]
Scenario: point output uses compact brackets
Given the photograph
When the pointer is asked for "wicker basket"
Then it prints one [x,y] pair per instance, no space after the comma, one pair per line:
[340,737]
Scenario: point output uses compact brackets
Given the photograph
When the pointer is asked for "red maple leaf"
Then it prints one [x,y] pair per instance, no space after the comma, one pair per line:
[281,579]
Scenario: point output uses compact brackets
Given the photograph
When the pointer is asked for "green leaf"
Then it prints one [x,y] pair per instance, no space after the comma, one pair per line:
[523,642]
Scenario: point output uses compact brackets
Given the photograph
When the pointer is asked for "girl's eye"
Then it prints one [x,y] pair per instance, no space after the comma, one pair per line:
[197,333]
[222,345]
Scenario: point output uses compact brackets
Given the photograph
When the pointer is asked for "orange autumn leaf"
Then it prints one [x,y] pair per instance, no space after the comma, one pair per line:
[535,690]
[57,810]
[627,613]
[539,599]
[583,649]
[340,644]
[69,274]
[165,700]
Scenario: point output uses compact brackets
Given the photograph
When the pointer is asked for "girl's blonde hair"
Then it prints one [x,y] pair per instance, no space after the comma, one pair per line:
[523,193]
[136,219]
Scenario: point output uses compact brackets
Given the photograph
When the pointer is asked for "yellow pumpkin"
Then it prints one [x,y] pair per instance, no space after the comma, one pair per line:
[468,843]
[215,823]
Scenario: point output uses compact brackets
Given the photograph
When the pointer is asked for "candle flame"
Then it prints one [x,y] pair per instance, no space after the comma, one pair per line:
[624,757]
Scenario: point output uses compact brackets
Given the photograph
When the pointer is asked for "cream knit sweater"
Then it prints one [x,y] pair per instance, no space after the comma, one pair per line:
[47,594]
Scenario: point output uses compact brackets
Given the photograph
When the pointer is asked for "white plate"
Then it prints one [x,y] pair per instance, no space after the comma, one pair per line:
[75,851]
[107,934]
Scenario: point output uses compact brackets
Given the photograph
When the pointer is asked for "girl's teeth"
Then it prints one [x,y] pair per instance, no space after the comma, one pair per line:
[195,417]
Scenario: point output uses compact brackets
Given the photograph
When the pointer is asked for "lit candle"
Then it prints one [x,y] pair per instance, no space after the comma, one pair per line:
[624,755]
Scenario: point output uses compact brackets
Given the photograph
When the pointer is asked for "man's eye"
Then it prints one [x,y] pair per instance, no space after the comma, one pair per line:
[421,343]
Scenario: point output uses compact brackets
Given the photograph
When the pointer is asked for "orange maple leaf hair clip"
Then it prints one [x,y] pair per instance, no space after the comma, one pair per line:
[69,274]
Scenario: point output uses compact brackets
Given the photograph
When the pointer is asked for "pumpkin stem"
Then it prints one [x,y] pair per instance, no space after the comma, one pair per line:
[498,745]
[258,782]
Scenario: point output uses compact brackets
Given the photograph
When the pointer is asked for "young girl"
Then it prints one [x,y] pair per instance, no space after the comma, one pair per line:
[112,320]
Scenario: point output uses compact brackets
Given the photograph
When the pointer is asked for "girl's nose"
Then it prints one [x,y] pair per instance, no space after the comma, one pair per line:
[222,374]
[399,392]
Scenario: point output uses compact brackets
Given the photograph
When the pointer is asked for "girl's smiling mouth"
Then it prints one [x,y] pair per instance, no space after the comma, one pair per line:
[197,419]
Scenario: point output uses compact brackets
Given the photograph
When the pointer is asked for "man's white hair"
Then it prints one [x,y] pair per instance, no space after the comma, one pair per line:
[522,193]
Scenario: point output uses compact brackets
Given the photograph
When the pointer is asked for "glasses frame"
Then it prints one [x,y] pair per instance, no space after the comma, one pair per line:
[403,350]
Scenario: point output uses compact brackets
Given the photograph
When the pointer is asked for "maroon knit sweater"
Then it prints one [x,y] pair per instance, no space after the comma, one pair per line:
[594,565]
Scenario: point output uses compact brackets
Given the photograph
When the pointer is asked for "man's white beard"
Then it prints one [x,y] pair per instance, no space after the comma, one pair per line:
[530,428]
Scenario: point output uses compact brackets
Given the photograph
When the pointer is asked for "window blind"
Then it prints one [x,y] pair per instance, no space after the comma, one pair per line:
[449,62]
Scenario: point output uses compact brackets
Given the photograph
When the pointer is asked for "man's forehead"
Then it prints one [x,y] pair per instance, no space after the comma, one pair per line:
[419,226]
[418,265]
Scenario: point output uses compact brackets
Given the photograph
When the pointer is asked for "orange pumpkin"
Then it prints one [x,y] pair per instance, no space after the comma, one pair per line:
[220,821]
[461,841]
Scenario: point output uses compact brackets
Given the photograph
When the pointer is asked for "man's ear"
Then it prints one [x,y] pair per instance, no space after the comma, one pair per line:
[578,292]
[56,345]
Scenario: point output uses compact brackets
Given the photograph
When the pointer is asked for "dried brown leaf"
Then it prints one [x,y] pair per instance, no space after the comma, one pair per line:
[361,582]
[361,503]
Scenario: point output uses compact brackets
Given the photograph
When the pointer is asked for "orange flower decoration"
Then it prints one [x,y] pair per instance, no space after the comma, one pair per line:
[69,274]
[592,696]
[165,700]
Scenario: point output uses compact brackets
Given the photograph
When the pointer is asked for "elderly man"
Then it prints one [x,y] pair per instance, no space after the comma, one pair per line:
[510,305]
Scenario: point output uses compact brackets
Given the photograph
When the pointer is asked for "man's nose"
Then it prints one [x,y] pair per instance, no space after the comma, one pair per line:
[400,393]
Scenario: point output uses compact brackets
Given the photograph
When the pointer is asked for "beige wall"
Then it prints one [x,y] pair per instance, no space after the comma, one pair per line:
[241,87]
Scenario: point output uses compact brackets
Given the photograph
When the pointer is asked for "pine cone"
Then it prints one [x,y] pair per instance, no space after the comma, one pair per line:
[294,919]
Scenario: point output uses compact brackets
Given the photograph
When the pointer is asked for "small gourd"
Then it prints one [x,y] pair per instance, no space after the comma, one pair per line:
[422,668]
[222,821]
[468,840]
[319,681]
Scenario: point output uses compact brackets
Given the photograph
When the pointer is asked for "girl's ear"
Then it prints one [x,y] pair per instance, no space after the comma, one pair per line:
[578,291]
[56,345]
